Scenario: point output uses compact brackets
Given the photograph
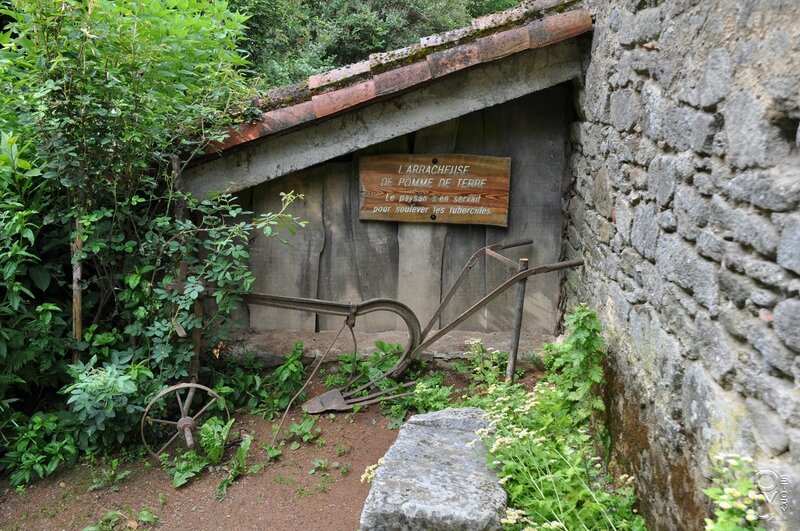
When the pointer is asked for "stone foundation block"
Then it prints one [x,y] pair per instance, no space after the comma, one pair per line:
[430,479]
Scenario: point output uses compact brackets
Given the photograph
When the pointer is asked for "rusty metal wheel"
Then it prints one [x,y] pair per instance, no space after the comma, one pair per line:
[191,404]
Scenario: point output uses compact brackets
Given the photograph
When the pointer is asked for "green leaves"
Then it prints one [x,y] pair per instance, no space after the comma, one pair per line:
[103,401]
[575,364]
[40,446]
[213,436]
[185,467]
[540,442]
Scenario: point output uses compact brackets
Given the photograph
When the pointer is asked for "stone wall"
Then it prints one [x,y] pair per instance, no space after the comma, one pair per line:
[685,206]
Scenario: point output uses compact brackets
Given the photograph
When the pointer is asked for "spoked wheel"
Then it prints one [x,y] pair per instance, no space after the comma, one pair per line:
[168,419]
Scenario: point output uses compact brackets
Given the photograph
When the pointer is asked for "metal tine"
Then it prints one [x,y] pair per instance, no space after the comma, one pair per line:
[359,375]
[359,399]
[470,263]
[376,380]
[376,400]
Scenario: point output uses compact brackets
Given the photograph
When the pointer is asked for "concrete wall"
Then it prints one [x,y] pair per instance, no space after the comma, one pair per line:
[685,206]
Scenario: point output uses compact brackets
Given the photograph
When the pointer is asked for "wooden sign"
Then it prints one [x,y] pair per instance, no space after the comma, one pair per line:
[469,189]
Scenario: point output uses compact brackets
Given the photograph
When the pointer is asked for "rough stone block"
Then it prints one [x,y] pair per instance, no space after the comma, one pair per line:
[652,121]
[777,189]
[667,221]
[769,345]
[747,130]
[430,479]
[753,230]
[623,218]
[691,210]
[679,263]
[704,184]
[704,128]
[789,244]
[679,123]
[765,272]
[645,152]
[641,27]
[717,350]
[762,298]
[662,177]
[717,418]
[716,80]
[768,428]
[644,233]
[710,246]
[787,322]
[624,109]
[601,193]
[779,394]
[736,288]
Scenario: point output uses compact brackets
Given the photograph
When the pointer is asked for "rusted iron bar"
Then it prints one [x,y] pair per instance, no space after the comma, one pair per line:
[345,309]
[483,302]
[489,250]
[518,309]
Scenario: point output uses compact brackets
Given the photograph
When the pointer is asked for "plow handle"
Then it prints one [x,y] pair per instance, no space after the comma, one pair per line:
[513,243]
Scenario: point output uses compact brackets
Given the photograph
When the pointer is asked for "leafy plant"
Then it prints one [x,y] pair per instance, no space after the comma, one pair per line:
[31,342]
[184,467]
[429,395]
[318,465]
[342,450]
[487,366]
[103,399]
[544,452]
[213,437]
[575,364]
[360,371]
[109,520]
[353,29]
[40,446]
[109,476]
[735,494]
[304,430]
[273,452]
[246,385]
[238,467]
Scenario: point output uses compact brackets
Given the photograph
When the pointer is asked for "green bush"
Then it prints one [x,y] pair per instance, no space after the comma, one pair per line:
[108,101]
[105,400]
[541,443]
[40,446]
[246,385]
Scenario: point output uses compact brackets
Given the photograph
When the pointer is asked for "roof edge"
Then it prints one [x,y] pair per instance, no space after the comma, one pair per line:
[370,81]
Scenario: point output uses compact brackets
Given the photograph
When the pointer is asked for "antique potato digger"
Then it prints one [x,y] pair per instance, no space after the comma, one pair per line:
[194,400]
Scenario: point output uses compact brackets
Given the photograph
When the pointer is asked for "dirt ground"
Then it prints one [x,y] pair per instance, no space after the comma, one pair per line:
[283,496]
